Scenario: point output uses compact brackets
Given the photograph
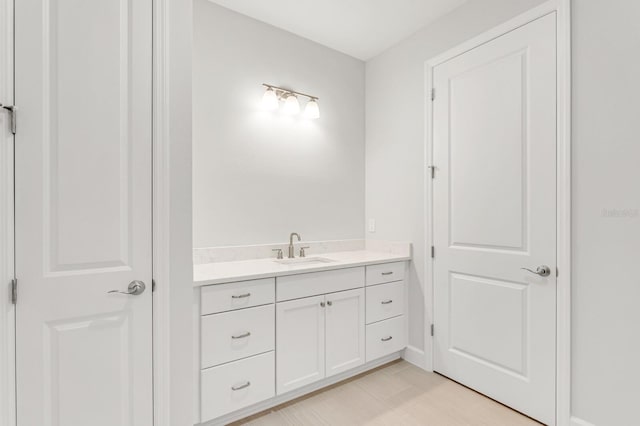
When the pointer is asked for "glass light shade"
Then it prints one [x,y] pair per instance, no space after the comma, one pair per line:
[312,110]
[270,100]
[291,105]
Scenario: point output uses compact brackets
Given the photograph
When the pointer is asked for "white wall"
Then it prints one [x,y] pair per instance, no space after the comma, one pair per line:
[395,118]
[606,179]
[257,175]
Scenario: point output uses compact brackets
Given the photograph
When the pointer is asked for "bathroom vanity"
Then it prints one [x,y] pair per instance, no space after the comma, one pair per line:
[270,330]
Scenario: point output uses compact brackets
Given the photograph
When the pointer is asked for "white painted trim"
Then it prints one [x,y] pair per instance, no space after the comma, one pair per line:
[7,272]
[563,234]
[161,196]
[289,396]
[414,356]
[576,421]
[428,226]
[172,234]
[563,223]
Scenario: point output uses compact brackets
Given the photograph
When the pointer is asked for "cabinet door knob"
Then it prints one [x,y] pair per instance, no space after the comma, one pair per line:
[329,303]
[322,304]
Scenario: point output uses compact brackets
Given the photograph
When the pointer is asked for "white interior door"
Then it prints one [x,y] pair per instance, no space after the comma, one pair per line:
[83,212]
[494,124]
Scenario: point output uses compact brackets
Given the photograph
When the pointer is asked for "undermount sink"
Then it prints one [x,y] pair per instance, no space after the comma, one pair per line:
[304,260]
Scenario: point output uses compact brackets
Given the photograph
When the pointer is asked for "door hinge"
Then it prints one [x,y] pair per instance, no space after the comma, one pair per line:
[433,329]
[432,171]
[433,252]
[153,286]
[12,113]
[14,291]
[433,94]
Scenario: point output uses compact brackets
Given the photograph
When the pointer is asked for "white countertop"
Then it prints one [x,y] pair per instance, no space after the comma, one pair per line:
[224,272]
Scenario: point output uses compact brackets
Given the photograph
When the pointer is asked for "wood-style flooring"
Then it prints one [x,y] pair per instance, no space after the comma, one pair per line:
[395,394]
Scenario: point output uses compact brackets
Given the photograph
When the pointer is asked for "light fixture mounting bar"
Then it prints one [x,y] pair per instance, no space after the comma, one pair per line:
[284,91]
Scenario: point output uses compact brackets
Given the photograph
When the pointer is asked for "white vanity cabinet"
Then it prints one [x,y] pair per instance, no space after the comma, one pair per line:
[237,338]
[265,341]
[386,319]
[321,331]
[318,337]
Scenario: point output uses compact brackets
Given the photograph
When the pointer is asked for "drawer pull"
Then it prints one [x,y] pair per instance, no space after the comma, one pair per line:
[387,273]
[242,386]
[241,336]
[240,296]
[386,302]
[386,339]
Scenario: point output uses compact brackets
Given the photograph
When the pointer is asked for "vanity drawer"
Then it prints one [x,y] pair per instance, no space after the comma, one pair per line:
[385,337]
[236,385]
[237,334]
[244,294]
[385,301]
[385,273]
[315,283]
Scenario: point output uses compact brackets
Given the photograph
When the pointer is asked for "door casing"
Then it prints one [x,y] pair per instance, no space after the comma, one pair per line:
[7,310]
[563,194]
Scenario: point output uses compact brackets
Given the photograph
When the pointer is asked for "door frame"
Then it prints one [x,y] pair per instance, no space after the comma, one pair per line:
[7,309]
[563,188]
[173,396]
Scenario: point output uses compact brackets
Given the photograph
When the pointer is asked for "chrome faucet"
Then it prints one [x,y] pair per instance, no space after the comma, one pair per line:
[291,256]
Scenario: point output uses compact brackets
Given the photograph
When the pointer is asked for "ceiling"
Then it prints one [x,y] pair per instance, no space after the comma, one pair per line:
[359,28]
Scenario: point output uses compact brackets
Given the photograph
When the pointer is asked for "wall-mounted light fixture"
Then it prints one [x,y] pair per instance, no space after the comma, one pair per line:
[274,94]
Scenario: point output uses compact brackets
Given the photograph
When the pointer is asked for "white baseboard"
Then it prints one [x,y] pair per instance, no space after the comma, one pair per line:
[281,399]
[415,356]
[576,421]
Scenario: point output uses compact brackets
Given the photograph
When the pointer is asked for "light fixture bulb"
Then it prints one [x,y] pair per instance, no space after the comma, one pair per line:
[291,105]
[312,110]
[270,100]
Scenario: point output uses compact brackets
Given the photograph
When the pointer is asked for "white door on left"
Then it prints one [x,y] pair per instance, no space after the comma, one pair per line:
[83,212]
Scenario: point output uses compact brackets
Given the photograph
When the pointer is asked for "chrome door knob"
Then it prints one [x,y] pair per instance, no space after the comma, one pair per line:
[135,288]
[543,270]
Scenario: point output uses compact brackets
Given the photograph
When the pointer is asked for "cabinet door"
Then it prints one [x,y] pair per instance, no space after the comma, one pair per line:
[299,342]
[344,324]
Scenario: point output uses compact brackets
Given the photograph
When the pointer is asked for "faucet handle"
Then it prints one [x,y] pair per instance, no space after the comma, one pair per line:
[279,252]
[302,253]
